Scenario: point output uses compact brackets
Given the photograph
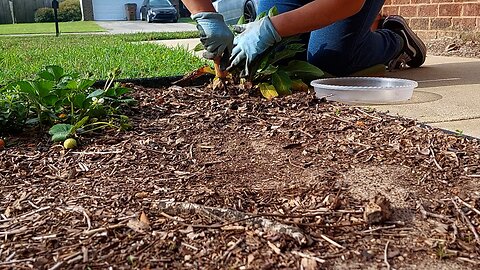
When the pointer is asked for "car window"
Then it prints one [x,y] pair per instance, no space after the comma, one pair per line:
[160,3]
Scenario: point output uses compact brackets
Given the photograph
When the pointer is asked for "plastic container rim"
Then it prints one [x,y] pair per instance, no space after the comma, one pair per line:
[408,84]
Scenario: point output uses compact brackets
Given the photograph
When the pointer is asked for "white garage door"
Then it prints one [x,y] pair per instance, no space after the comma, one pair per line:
[104,10]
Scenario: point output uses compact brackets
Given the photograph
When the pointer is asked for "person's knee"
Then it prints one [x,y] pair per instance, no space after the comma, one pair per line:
[338,61]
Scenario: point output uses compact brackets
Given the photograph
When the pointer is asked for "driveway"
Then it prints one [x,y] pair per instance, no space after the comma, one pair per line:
[128,27]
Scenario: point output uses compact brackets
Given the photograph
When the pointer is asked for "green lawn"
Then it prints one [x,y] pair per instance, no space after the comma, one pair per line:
[186,20]
[49,28]
[23,57]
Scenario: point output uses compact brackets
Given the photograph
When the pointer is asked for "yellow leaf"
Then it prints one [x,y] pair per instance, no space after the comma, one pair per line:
[268,91]
[299,85]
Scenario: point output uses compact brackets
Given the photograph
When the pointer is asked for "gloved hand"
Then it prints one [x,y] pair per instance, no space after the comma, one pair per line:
[255,38]
[215,35]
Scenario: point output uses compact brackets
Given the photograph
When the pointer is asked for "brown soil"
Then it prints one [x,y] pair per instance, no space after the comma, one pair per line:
[286,182]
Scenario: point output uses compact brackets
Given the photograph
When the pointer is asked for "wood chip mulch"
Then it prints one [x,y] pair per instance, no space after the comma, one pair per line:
[212,181]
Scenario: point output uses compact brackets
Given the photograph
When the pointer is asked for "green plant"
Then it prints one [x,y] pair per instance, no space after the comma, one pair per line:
[69,102]
[69,10]
[44,15]
[276,72]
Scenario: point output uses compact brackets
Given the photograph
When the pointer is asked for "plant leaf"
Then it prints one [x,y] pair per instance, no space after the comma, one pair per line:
[268,90]
[95,93]
[79,100]
[241,20]
[43,87]
[299,85]
[60,132]
[261,15]
[24,86]
[199,47]
[50,100]
[302,69]
[52,73]
[84,84]
[268,70]
[80,123]
[282,82]
[273,11]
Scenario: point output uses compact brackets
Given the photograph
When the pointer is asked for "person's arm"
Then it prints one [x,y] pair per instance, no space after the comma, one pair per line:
[196,6]
[320,13]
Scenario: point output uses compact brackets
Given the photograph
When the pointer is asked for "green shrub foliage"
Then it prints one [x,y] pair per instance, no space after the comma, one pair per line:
[44,15]
[69,10]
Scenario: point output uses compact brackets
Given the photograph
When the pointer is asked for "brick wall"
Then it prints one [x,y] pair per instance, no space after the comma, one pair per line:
[436,18]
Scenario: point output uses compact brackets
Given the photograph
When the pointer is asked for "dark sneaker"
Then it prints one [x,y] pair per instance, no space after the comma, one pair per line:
[414,51]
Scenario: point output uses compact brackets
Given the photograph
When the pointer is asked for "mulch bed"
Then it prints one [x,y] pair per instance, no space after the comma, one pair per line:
[214,181]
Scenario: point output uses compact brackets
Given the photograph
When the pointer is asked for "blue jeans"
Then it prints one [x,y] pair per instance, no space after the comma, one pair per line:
[346,46]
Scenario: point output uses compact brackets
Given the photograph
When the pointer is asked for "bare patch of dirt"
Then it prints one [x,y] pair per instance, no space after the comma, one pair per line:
[211,181]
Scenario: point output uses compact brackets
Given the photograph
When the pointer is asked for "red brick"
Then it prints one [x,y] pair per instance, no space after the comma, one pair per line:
[478,23]
[420,1]
[426,35]
[442,1]
[391,10]
[471,9]
[408,11]
[464,24]
[387,2]
[449,9]
[400,2]
[428,10]
[440,23]
[419,23]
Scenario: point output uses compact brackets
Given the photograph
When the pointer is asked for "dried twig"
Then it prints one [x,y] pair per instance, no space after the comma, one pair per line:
[379,229]
[16,261]
[230,249]
[102,229]
[308,256]
[27,214]
[230,214]
[468,205]
[467,221]
[331,241]
[435,160]
[426,214]
[56,266]
[385,255]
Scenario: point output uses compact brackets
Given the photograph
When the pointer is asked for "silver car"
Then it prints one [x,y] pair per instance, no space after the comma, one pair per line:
[232,10]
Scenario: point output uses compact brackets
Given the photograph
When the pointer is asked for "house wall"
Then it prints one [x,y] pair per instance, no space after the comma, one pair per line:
[437,18]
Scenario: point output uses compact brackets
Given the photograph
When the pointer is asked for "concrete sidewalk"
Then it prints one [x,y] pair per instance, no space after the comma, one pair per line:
[448,95]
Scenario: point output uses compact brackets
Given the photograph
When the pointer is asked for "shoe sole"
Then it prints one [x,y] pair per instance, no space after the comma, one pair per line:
[398,22]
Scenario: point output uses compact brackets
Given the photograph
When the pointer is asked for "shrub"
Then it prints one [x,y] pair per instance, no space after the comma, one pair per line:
[69,10]
[44,15]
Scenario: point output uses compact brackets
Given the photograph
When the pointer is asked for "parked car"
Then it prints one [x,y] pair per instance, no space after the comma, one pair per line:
[232,10]
[158,11]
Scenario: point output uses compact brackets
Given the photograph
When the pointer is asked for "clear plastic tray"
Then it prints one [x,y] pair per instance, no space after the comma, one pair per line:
[371,90]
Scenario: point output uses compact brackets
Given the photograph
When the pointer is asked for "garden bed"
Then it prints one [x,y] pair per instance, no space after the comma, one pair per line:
[212,180]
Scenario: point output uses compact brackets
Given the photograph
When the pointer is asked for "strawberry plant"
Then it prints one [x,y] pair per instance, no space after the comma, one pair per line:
[68,103]
[276,72]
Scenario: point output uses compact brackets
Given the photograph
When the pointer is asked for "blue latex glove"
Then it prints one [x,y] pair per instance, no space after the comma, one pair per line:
[215,35]
[256,38]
